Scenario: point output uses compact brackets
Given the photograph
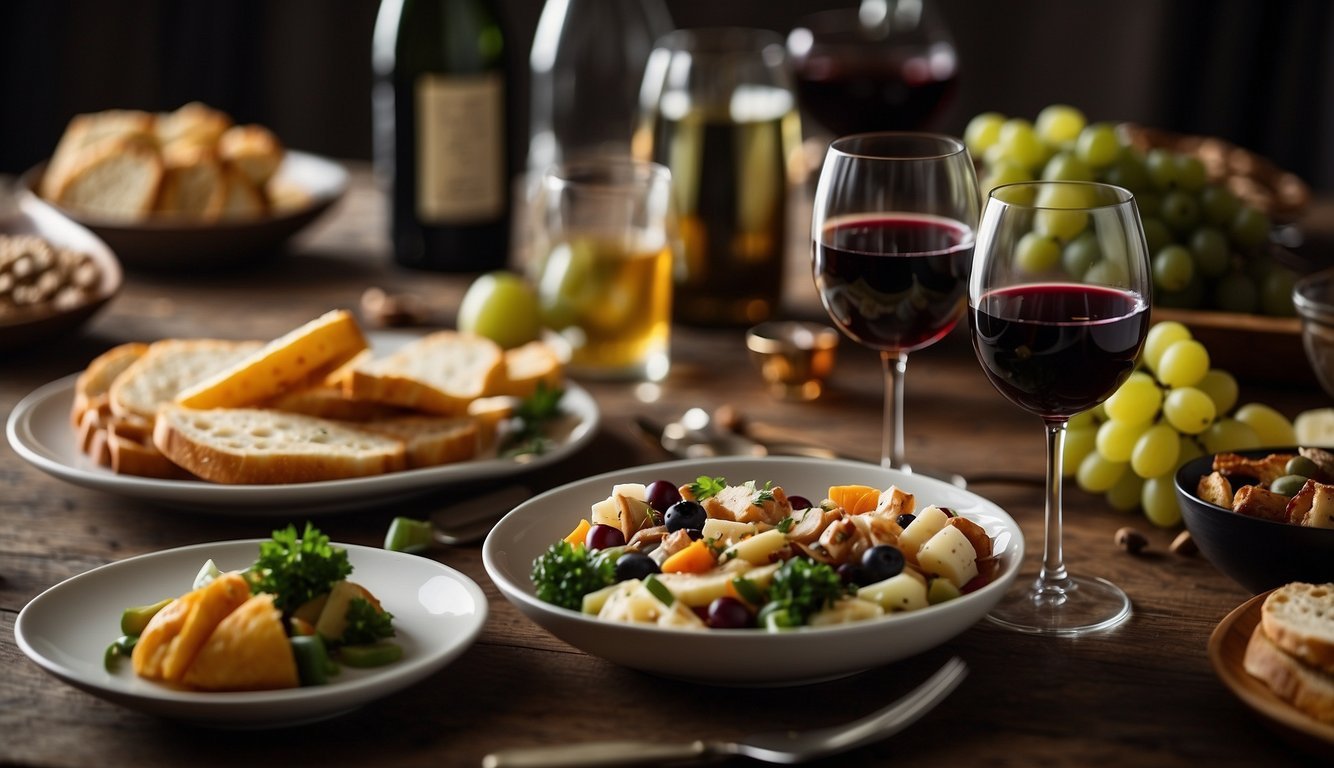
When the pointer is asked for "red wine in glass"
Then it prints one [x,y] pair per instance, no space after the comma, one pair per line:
[893,281]
[1057,349]
[886,93]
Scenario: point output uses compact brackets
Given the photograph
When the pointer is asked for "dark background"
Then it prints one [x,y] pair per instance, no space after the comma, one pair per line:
[1257,72]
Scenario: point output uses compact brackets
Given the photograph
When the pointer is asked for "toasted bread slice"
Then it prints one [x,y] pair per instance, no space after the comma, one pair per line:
[241,199]
[85,131]
[440,373]
[253,151]
[93,384]
[312,351]
[527,366]
[248,651]
[431,440]
[193,186]
[193,124]
[131,456]
[168,367]
[1299,618]
[1305,687]
[329,402]
[260,446]
[118,178]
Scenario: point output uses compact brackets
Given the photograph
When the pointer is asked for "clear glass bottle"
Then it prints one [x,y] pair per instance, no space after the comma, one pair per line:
[442,146]
[587,63]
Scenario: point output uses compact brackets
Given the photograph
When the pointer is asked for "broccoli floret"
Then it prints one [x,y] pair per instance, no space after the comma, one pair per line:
[804,587]
[566,572]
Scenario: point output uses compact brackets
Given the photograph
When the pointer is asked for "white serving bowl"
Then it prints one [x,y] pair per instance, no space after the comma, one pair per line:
[749,657]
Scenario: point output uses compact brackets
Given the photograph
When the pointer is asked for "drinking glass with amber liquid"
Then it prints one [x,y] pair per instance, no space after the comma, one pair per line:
[719,110]
[604,241]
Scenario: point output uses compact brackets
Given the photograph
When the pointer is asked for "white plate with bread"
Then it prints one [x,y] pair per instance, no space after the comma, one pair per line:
[318,420]
[438,613]
[1275,652]
[184,189]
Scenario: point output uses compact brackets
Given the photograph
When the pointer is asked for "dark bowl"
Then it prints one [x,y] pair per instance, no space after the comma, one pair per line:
[1257,554]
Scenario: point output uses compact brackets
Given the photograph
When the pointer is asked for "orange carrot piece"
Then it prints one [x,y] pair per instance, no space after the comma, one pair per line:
[696,558]
[579,533]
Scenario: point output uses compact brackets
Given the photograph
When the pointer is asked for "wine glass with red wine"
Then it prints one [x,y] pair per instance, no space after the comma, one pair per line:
[892,230]
[877,65]
[1056,342]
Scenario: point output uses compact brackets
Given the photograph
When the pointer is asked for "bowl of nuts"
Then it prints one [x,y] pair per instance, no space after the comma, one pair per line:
[54,273]
[1264,517]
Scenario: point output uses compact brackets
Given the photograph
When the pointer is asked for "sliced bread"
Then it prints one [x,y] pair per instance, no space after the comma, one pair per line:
[1305,687]
[118,178]
[527,366]
[1299,618]
[440,373]
[329,402]
[253,150]
[85,131]
[193,124]
[311,351]
[93,384]
[168,367]
[430,440]
[192,184]
[260,446]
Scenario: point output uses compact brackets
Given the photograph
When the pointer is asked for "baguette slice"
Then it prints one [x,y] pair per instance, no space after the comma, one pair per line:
[256,446]
[93,384]
[1307,688]
[440,373]
[118,178]
[1299,618]
[431,440]
[83,132]
[329,402]
[527,366]
[168,367]
[284,364]
[253,150]
[192,184]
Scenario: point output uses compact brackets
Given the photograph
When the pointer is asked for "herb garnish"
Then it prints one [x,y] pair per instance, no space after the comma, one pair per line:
[527,433]
[296,570]
[706,487]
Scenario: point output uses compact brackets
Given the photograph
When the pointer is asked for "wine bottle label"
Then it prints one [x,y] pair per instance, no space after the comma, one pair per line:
[460,148]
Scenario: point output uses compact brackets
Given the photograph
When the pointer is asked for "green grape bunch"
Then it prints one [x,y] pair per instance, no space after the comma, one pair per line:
[1209,249]
[1174,408]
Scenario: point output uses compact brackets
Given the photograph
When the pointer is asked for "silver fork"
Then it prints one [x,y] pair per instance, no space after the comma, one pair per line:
[786,747]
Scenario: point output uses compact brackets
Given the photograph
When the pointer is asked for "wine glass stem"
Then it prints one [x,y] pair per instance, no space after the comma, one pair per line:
[891,436]
[1053,580]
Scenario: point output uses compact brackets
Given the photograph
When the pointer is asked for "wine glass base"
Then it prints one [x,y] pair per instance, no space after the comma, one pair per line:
[1080,605]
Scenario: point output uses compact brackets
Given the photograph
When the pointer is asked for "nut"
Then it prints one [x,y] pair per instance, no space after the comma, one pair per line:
[1131,540]
[1184,545]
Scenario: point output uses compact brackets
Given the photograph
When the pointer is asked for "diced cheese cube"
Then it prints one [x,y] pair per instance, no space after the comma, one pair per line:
[950,555]
[727,532]
[897,593]
[758,549]
[927,523]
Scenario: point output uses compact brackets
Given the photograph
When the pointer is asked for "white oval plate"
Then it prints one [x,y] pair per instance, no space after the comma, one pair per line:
[39,431]
[438,612]
[746,657]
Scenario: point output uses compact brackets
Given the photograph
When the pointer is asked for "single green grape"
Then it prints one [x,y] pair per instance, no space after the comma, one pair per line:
[1066,166]
[501,306]
[1228,434]
[1189,448]
[1097,474]
[1276,293]
[1210,248]
[1097,145]
[1057,124]
[1081,253]
[1221,387]
[1190,173]
[1219,205]
[1189,410]
[1250,228]
[1135,402]
[1079,443]
[1173,268]
[1162,167]
[1155,452]
[1272,428]
[1116,439]
[1180,211]
[1020,143]
[982,132]
[1159,499]
[1036,253]
[1083,419]
[1003,172]
[1106,272]
[1128,171]
[1183,363]
[1162,335]
[1125,494]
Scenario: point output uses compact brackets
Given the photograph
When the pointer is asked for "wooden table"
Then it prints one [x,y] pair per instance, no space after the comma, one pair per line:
[1142,694]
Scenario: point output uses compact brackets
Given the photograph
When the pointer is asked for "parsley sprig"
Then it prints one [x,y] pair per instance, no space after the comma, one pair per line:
[296,569]
[530,420]
[706,487]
